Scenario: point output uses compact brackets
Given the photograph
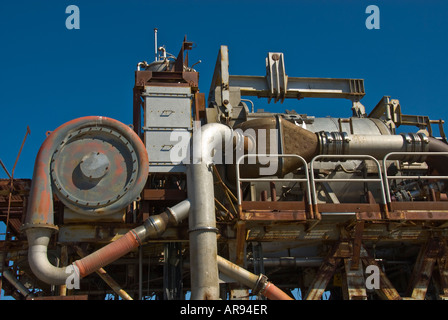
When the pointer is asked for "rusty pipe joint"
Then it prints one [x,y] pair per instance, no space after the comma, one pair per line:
[259,284]
[156,225]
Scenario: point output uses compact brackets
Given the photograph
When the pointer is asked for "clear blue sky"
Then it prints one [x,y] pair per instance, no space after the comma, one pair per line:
[50,75]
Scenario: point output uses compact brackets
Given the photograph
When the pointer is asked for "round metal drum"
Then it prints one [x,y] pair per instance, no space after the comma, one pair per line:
[93,169]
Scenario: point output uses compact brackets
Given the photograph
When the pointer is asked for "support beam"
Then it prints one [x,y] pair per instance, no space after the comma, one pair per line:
[386,291]
[357,243]
[354,282]
[421,275]
[324,275]
[300,87]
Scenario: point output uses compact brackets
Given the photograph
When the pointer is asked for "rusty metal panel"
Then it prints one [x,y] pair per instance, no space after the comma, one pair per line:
[164,194]
[273,205]
[274,216]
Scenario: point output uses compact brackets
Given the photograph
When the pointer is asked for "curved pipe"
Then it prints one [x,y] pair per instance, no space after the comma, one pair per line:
[438,163]
[153,227]
[202,221]
[39,224]
[258,284]
[40,206]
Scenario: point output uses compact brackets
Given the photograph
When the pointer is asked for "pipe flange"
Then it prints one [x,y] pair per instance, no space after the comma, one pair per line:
[27,226]
[260,286]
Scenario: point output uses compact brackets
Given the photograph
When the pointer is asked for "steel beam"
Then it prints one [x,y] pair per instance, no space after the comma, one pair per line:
[300,87]
[386,291]
[354,282]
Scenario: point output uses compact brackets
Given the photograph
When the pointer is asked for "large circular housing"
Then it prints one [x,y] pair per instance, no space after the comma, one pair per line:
[99,168]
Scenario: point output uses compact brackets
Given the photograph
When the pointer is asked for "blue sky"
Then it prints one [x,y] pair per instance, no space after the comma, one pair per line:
[50,75]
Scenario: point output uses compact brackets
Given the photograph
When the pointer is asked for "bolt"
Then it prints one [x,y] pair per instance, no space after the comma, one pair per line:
[225,102]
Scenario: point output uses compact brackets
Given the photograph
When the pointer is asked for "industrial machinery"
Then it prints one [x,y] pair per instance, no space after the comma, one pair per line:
[217,199]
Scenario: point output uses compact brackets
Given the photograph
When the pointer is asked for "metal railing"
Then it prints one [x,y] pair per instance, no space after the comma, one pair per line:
[239,179]
[362,157]
[311,180]
[425,177]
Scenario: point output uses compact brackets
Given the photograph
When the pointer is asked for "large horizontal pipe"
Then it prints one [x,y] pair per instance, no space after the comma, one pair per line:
[377,146]
[289,262]
[256,283]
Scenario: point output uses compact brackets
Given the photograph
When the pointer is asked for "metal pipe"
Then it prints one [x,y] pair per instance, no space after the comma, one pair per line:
[202,220]
[17,284]
[153,227]
[377,146]
[39,224]
[108,279]
[155,45]
[438,163]
[258,284]
[289,262]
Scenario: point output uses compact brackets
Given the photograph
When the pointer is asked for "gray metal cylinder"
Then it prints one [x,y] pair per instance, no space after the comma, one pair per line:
[202,220]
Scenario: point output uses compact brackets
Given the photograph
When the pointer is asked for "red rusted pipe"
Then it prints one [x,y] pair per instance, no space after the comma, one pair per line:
[272,292]
[108,254]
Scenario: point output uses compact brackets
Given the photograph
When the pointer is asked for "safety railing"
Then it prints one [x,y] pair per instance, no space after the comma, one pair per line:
[405,177]
[311,180]
[352,157]
[239,179]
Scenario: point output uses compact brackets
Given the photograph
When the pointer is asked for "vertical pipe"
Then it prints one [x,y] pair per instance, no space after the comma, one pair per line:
[140,273]
[155,44]
[202,235]
[273,191]
[207,141]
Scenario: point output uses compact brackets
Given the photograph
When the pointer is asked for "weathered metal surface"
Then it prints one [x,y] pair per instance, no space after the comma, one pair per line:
[386,290]
[385,234]
[423,268]
[164,194]
[354,281]
[323,277]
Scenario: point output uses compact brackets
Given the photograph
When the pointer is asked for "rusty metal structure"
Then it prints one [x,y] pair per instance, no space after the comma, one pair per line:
[214,198]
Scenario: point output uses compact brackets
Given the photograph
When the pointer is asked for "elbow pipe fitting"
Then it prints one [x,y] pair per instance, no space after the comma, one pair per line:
[39,223]
[202,220]
[39,238]
[156,225]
